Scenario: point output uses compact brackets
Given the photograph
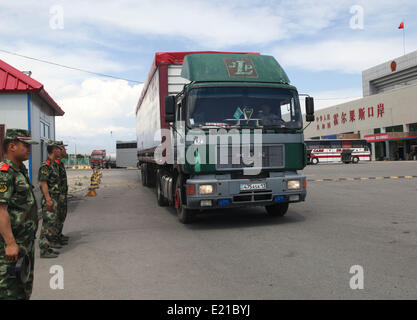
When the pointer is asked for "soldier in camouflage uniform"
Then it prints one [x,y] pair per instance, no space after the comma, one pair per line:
[64,192]
[49,180]
[18,213]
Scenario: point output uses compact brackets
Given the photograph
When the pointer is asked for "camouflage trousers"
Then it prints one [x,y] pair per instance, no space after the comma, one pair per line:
[49,230]
[10,288]
[62,214]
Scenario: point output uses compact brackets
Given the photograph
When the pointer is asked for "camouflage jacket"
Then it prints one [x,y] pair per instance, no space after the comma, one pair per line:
[17,192]
[49,172]
[63,177]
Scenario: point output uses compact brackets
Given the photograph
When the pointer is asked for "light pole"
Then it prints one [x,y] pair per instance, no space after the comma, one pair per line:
[75,148]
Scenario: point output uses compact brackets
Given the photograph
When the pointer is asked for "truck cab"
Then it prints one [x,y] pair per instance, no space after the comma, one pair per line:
[98,159]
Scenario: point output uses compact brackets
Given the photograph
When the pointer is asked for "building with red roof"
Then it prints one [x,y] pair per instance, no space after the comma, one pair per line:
[24,103]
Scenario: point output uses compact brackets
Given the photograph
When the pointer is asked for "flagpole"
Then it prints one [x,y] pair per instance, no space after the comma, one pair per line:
[404,38]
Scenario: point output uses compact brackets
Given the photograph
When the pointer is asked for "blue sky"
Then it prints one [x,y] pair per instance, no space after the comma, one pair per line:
[313,40]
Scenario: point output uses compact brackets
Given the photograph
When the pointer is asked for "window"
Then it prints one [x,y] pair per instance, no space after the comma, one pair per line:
[44,130]
[257,107]
[394,128]
[412,127]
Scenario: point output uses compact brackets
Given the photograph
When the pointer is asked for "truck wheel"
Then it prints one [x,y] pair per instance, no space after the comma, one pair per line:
[162,201]
[147,173]
[277,210]
[151,176]
[142,174]
[315,160]
[185,215]
[355,160]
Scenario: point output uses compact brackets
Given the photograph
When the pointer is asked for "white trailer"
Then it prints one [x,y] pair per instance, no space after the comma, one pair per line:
[126,154]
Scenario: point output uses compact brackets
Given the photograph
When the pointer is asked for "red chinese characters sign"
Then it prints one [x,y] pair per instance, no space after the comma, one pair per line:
[360,114]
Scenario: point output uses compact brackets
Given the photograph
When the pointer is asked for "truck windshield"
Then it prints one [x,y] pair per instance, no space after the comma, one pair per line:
[244,107]
[96,156]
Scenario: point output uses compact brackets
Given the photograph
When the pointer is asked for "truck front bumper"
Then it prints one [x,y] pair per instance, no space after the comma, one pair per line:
[227,191]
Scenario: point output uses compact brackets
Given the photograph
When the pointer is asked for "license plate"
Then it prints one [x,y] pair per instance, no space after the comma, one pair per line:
[252,186]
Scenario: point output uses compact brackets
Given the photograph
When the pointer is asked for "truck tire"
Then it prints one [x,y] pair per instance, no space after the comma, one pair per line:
[185,215]
[355,160]
[142,174]
[151,175]
[162,201]
[147,174]
[315,160]
[277,210]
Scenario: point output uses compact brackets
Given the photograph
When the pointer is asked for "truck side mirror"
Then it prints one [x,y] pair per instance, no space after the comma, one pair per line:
[169,109]
[309,109]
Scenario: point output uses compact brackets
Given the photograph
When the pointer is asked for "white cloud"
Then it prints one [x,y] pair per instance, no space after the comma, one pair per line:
[215,24]
[55,77]
[96,108]
[330,98]
[325,99]
[348,55]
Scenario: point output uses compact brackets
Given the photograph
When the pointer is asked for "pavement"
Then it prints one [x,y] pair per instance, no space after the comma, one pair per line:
[123,246]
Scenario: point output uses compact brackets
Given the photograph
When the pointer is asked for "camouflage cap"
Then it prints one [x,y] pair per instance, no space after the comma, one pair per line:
[53,143]
[21,135]
[60,143]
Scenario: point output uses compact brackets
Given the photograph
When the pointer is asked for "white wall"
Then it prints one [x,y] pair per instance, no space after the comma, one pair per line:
[13,110]
[14,114]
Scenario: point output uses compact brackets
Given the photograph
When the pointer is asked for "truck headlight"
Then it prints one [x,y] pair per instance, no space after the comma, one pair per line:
[205,189]
[293,185]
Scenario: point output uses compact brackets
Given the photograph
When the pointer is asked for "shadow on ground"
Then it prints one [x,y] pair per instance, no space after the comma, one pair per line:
[238,218]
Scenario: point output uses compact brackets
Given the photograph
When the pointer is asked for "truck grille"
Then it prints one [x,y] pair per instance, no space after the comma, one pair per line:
[272,157]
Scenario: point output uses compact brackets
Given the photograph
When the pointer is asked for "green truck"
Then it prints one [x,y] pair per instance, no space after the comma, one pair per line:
[221,130]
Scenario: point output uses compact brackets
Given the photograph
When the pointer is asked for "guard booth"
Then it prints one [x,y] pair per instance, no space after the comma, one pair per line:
[25,104]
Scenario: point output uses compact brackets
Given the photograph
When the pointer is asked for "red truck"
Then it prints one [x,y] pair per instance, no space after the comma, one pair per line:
[98,159]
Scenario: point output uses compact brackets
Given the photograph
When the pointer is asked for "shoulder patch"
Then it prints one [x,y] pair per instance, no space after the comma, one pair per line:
[45,171]
[5,167]
[3,186]
[48,162]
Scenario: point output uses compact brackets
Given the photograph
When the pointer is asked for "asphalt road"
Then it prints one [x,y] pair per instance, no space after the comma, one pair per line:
[123,246]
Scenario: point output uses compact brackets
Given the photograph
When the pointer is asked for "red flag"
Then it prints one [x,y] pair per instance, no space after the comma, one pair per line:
[401,25]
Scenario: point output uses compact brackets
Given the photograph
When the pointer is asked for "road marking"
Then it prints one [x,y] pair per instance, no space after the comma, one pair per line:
[360,178]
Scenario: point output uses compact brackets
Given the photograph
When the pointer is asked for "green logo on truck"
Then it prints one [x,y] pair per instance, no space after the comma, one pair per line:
[240,68]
